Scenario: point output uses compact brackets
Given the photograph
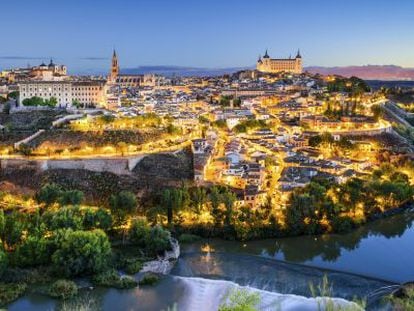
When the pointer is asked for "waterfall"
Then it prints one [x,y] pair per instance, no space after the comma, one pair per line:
[165,263]
[207,295]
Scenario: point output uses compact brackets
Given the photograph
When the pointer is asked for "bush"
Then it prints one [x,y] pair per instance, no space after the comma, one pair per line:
[97,219]
[63,289]
[68,217]
[71,197]
[126,282]
[188,238]
[49,194]
[3,261]
[111,278]
[82,252]
[107,278]
[32,252]
[9,292]
[134,267]
[139,232]
[159,240]
[149,279]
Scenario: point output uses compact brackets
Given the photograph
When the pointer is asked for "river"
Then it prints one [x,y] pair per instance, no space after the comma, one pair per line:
[365,263]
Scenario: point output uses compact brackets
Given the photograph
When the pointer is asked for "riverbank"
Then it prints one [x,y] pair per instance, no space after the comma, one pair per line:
[270,231]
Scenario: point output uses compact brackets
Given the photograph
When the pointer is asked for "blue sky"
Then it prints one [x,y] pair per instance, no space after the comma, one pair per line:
[209,33]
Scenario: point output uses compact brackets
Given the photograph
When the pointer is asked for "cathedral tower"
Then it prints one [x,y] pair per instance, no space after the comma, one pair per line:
[114,68]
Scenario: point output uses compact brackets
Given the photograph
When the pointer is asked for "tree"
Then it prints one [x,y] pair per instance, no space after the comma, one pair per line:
[13,95]
[377,112]
[122,204]
[173,200]
[49,194]
[215,199]
[32,252]
[33,101]
[99,218]
[68,217]
[198,198]
[159,240]
[12,230]
[82,252]
[71,197]
[139,233]
[228,199]
[3,261]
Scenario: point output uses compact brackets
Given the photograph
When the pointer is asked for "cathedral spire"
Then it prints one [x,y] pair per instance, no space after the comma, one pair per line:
[266,55]
[298,54]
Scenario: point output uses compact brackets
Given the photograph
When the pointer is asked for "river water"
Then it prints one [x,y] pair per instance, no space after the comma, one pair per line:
[365,263]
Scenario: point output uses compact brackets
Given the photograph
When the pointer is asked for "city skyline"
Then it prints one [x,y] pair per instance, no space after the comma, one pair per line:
[207,35]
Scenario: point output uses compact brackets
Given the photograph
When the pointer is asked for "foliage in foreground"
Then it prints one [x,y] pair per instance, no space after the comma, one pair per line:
[10,292]
[405,302]
[63,289]
[111,278]
[240,300]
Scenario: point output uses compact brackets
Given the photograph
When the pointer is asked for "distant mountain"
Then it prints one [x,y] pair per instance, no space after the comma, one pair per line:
[182,70]
[368,72]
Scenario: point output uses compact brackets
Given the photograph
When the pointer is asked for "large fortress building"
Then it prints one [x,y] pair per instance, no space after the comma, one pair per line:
[274,65]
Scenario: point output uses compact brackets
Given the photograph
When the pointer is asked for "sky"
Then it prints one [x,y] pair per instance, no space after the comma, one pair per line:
[205,33]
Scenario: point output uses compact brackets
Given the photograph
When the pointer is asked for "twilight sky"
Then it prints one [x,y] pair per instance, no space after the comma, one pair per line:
[209,33]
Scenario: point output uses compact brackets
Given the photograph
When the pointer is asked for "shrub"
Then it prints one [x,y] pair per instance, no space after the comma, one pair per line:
[149,279]
[9,292]
[49,194]
[139,233]
[126,282]
[63,289]
[3,261]
[97,219]
[107,278]
[134,267]
[159,240]
[32,252]
[188,238]
[82,252]
[71,197]
[111,278]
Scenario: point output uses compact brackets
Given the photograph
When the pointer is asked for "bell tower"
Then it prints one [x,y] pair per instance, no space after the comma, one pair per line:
[114,68]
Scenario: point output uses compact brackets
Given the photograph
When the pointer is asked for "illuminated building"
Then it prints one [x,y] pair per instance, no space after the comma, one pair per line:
[273,65]
[84,92]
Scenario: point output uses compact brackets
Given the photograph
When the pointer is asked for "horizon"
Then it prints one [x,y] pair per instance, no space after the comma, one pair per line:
[206,35]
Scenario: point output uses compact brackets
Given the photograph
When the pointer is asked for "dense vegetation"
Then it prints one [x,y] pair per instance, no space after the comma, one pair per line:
[353,85]
[38,101]
[64,238]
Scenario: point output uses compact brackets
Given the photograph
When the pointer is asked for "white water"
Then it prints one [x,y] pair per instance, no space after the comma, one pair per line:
[164,264]
[207,295]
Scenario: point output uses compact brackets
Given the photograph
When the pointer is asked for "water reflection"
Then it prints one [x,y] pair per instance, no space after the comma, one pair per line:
[381,249]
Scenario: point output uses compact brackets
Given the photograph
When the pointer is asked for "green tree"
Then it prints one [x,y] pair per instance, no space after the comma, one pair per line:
[215,200]
[228,199]
[71,197]
[13,230]
[99,218]
[3,261]
[49,194]
[82,252]
[122,204]
[68,217]
[32,252]
[139,233]
[159,240]
[198,198]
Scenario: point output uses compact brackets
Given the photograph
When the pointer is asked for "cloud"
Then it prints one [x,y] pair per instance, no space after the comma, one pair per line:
[21,57]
